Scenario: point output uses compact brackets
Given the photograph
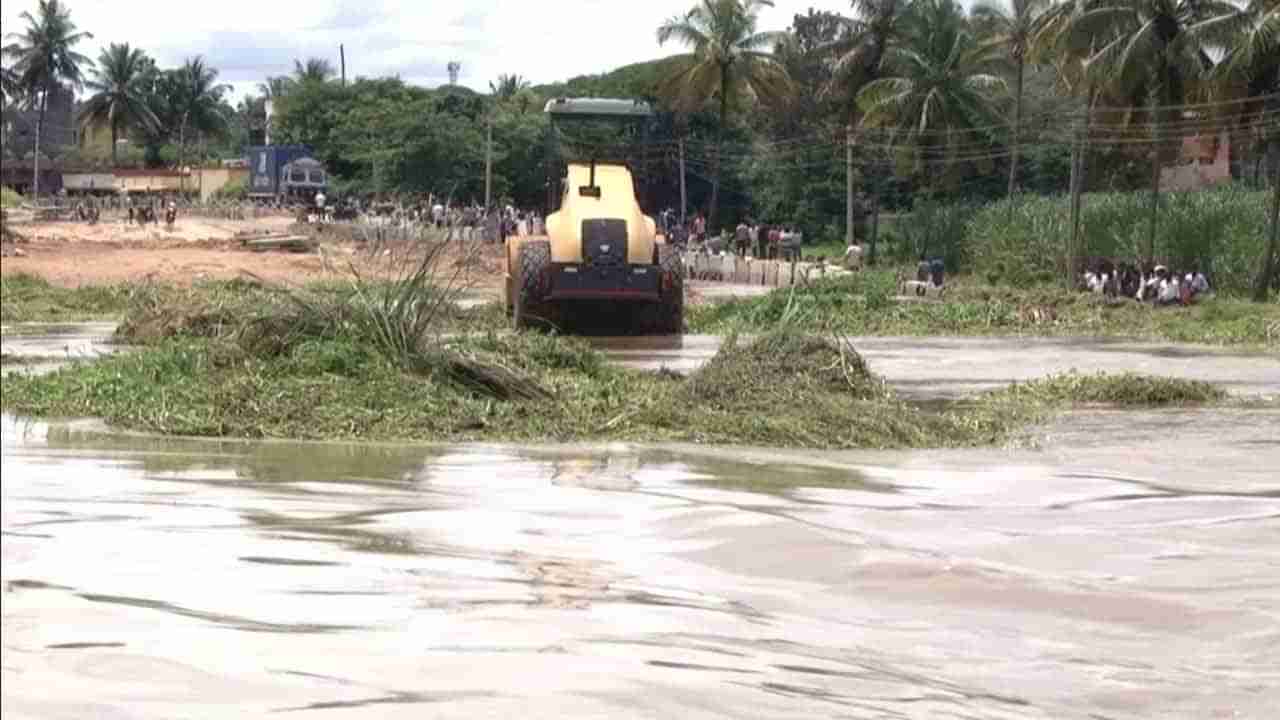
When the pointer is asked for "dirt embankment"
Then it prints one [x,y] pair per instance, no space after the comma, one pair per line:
[72,254]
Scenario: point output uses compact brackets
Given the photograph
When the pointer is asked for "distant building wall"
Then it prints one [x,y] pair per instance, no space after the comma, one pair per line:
[211,180]
[86,182]
[1204,161]
[142,181]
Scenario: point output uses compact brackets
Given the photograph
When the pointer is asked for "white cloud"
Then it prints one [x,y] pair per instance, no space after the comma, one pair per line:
[248,40]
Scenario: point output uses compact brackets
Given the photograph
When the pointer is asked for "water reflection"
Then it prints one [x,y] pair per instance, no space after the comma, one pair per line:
[154,577]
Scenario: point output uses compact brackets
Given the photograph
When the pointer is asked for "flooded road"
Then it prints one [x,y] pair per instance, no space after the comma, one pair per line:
[1132,570]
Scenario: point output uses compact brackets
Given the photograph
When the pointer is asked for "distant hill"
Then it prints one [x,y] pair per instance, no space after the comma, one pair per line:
[637,80]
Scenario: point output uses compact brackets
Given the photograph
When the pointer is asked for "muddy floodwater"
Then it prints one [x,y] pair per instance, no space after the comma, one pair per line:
[1130,569]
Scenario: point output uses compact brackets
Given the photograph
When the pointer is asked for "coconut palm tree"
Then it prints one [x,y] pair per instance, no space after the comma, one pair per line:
[197,101]
[1013,30]
[1145,50]
[45,58]
[1250,70]
[937,84]
[119,98]
[508,86]
[315,70]
[275,87]
[10,87]
[729,60]
[877,25]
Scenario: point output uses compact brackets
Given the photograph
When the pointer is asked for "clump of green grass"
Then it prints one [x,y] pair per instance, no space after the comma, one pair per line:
[1124,389]
[25,298]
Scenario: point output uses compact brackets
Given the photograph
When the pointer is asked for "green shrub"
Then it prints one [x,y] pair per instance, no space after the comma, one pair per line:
[9,198]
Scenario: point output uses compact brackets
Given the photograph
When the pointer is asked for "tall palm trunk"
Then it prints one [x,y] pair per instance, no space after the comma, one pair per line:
[1017,129]
[35,159]
[713,215]
[115,129]
[182,153]
[1263,287]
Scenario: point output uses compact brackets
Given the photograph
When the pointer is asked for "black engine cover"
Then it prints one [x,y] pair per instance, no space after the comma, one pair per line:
[604,242]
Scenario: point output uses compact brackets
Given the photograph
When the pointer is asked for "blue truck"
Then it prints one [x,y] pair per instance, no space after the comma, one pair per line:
[285,172]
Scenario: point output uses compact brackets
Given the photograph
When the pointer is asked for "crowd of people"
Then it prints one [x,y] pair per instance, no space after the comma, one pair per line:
[749,238]
[1156,284]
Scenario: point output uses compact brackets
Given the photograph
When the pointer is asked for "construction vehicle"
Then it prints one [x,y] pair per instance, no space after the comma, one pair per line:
[603,266]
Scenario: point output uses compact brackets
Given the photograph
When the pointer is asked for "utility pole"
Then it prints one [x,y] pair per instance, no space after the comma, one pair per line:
[684,199]
[1073,237]
[488,163]
[342,60]
[848,184]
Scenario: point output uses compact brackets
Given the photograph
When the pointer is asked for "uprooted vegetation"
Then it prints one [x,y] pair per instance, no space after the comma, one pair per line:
[390,356]
[331,365]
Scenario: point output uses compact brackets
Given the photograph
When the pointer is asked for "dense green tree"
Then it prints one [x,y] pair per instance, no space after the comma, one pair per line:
[119,99]
[45,57]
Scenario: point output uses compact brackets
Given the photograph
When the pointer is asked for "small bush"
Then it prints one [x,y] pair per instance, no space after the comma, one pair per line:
[9,198]
[780,366]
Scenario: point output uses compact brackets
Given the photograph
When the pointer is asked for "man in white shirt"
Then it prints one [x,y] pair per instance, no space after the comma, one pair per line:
[1199,283]
[1168,290]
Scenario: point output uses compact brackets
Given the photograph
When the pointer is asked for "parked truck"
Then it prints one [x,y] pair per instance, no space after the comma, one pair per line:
[285,173]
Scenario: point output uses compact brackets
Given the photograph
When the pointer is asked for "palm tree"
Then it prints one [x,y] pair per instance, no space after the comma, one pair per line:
[10,86]
[508,86]
[315,70]
[1014,31]
[275,87]
[198,101]
[878,24]
[938,84]
[44,59]
[1147,49]
[1250,70]
[730,59]
[119,98]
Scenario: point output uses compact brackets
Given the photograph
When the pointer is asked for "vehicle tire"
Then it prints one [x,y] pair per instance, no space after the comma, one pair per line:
[532,309]
[668,313]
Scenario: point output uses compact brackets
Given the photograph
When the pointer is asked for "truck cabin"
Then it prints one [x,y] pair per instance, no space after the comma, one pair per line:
[303,178]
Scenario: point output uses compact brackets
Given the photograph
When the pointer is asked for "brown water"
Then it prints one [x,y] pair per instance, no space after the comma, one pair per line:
[1130,571]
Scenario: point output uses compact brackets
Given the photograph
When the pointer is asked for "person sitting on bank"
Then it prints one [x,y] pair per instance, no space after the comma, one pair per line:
[853,255]
[1168,288]
[1198,283]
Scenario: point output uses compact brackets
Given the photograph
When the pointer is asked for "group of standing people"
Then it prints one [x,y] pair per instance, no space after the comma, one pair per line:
[748,238]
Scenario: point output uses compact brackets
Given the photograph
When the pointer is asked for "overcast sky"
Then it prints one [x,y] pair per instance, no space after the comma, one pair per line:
[247,40]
